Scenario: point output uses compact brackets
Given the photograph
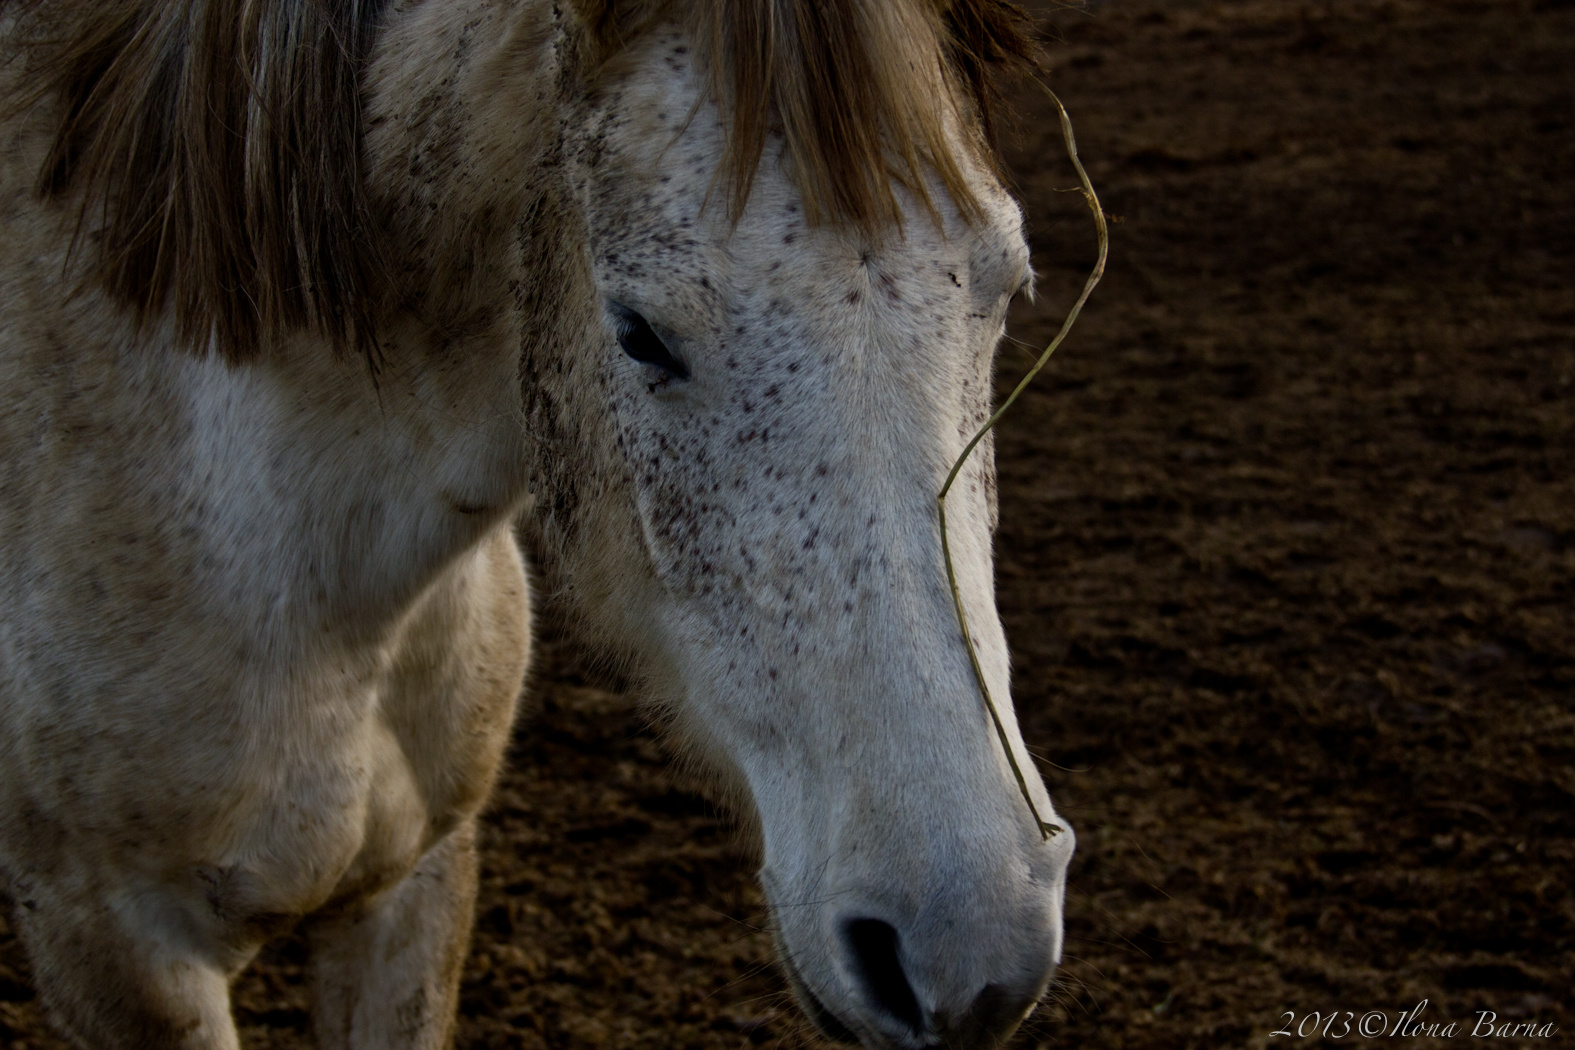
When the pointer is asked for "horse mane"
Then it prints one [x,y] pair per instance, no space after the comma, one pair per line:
[217,145]
[852,85]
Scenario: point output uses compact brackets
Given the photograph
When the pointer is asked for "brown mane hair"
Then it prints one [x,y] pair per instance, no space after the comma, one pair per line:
[859,89]
[216,145]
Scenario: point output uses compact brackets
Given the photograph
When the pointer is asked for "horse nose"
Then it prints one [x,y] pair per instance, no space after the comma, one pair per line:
[993,1015]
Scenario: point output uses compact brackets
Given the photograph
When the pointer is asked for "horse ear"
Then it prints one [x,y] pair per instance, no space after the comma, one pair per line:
[215,147]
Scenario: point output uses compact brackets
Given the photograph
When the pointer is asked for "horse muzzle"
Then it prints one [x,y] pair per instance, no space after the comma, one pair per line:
[961,970]
[899,1021]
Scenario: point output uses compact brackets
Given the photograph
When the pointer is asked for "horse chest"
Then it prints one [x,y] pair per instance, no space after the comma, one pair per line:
[417,759]
[371,782]
[269,792]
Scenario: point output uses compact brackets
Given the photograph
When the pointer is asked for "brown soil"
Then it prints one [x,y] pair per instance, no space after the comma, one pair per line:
[1287,557]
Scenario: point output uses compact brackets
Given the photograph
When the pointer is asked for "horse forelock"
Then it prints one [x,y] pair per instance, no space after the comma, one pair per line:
[852,85]
[212,149]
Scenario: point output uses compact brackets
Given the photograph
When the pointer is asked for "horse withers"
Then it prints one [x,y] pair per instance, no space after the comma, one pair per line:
[306,302]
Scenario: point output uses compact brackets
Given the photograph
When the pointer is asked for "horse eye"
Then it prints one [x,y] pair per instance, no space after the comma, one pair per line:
[642,343]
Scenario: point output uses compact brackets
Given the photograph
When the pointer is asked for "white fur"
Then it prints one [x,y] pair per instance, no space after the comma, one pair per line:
[262,627]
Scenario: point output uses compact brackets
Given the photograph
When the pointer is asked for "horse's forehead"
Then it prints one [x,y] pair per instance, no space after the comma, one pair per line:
[660,217]
[669,138]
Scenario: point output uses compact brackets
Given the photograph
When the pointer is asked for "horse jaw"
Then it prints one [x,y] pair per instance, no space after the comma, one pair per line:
[762,534]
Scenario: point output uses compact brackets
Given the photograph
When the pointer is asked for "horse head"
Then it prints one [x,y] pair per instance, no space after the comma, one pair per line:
[738,485]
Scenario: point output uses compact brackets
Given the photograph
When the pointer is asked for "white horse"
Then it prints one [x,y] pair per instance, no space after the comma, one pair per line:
[304,302]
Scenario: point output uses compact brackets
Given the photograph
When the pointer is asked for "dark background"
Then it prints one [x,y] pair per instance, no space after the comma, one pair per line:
[1286,561]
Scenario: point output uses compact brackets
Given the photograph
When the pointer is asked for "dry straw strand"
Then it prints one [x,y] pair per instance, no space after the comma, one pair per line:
[1092,200]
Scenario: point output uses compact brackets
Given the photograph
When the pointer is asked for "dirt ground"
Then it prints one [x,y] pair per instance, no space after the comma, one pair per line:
[1287,560]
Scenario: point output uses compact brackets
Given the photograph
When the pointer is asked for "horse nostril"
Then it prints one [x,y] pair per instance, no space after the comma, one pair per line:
[874,945]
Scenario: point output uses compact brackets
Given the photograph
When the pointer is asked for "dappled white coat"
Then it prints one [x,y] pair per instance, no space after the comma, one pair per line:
[263,626]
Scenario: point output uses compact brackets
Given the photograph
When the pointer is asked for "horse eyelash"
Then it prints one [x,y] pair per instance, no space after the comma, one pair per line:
[640,341]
